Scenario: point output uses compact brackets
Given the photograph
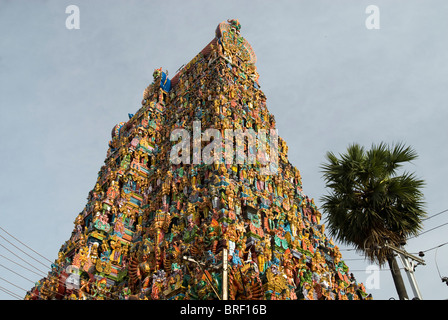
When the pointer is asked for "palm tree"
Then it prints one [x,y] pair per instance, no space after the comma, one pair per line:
[370,204]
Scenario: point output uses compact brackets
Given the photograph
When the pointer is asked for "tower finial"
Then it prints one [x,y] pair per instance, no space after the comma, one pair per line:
[235,24]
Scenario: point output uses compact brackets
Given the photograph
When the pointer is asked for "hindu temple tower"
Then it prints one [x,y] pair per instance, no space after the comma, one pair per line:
[154,228]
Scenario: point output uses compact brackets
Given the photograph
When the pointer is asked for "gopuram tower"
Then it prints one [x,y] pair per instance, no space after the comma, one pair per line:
[184,208]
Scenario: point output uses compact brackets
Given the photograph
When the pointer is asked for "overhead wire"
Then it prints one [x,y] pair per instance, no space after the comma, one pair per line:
[435,255]
[438,246]
[435,259]
[13,284]
[49,277]
[42,272]
[12,294]
[430,217]
[26,245]
[22,259]
[46,266]
[17,273]
[350,270]
[434,215]
[64,284]
[39,274]
[429,230]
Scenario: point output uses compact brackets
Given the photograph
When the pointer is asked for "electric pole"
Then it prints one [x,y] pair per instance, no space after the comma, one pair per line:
[409,262]
[225,294]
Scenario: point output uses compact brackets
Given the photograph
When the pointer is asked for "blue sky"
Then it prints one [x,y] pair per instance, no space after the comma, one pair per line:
[328,79]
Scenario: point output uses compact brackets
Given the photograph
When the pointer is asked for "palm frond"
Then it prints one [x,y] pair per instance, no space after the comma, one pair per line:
[369,203]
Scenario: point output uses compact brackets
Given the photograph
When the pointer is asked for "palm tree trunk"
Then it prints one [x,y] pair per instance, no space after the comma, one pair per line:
[396,275]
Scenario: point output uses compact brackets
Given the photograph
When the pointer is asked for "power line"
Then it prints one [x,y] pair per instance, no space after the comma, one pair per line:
[41,275]
[440,245]
[350,270]
[60,282]
[12,294]
[17,273]
[430,230]
[23,251]
[439,213]
[435,215]
[437,266]
[21,258]
[48,277]
[26,245]
[13,284]
[63,284]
